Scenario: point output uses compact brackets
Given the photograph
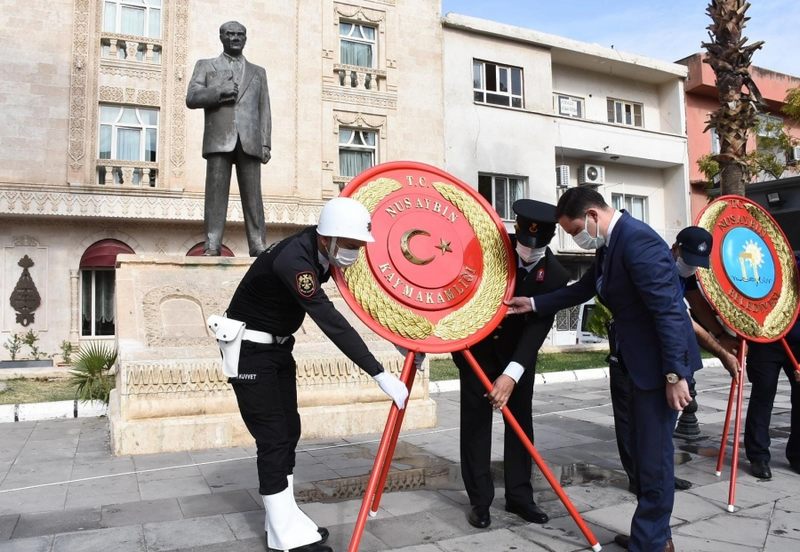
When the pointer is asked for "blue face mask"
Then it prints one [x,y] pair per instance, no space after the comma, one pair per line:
[584,240]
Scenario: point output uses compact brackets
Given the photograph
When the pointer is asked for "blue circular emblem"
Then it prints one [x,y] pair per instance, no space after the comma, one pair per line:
[748,263]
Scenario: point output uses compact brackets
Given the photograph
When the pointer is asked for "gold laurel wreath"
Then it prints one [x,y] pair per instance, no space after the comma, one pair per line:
[780,317]
[459,324]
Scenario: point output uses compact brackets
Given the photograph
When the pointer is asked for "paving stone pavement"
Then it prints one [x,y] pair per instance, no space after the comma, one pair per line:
[62,490]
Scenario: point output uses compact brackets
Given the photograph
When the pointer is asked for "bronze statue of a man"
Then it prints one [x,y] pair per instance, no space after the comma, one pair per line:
[233,92]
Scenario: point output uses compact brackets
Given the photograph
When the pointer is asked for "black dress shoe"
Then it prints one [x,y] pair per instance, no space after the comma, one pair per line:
[529,512]
[323,533]
[622,540]
[760,469]
[795,465]
[479,517]
[682,484]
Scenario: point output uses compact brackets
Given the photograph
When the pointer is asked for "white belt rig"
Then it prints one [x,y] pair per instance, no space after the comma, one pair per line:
[263,337]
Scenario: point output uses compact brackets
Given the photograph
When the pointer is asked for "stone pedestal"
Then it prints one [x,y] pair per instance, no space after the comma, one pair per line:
[171,394]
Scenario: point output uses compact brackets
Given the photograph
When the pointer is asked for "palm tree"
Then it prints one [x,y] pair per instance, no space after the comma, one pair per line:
[730,58]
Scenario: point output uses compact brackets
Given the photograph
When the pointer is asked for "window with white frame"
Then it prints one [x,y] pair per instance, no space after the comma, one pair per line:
[501,191]
[568,106]
[97,302]
[497,84]
[635,205]
[358,150]
[623,112]
[133,17]
[357,44]
[128,133]
[715,148]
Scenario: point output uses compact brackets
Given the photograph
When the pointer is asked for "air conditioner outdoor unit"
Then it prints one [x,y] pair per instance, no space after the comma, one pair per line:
[794,154]
[591,175]
[562,176]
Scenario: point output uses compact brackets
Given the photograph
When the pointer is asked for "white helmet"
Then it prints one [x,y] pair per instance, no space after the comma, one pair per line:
[345,217]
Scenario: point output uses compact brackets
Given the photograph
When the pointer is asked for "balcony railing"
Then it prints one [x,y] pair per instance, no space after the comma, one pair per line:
[362,78]
[128,174]
[130,48]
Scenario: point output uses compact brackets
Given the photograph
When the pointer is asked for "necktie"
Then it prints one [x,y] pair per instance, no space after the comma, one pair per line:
[236,67]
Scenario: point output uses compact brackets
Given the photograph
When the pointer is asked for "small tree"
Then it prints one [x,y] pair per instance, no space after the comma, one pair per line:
[67,348]
[13,344]
[31,339]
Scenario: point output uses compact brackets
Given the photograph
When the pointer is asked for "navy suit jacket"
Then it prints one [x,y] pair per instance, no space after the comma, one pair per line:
[640,286]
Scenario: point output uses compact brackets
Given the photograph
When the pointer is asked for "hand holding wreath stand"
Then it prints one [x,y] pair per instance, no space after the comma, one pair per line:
[383,459]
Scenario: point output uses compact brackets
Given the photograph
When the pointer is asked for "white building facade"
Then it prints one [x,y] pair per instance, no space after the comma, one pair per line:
[529,115]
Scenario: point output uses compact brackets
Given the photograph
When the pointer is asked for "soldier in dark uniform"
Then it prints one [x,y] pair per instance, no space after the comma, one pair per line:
[508,357]
[281,286]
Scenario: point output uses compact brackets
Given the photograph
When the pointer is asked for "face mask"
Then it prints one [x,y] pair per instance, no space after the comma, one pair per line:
[585,241]
[530,255]
[685,270]
[343,257]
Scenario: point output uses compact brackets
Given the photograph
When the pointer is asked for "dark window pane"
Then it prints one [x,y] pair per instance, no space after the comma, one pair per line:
[478,96]
[500,195]
[104,302]
[497,99]
[485,187]
[516,102]
[491,76]
[86,302]
[610,109]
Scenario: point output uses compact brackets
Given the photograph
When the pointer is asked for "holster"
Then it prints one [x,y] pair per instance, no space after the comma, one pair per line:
[228,333]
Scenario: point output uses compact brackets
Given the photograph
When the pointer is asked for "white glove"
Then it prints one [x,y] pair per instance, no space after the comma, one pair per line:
[419,358]
[393,387]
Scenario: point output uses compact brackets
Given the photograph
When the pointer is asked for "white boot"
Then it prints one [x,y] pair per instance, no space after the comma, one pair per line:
[290,482]
[287,526]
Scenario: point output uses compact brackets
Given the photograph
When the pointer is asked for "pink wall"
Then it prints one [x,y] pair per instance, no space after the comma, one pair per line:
[701,99]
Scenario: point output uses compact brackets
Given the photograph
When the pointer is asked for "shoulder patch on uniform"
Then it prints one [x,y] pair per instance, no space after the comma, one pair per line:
[306,285]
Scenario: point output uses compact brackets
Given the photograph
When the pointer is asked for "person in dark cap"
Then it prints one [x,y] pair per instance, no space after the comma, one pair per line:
[508,357]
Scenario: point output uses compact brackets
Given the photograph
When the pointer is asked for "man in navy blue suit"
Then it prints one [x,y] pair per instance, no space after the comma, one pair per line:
[635,276]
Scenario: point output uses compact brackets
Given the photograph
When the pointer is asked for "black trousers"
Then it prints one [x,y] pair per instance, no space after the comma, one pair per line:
[218,183]
[764,365]
[476,436]
[268,405]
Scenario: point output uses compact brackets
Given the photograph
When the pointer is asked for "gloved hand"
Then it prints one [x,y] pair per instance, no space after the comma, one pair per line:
[419,358]
[393,387]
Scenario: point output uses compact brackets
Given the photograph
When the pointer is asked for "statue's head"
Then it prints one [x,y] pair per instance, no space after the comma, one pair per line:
[233,36]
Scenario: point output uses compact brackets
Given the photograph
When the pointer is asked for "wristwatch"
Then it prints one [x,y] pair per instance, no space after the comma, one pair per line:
[672,377]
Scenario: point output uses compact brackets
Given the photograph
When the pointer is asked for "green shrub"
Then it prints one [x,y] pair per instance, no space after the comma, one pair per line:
[90,372]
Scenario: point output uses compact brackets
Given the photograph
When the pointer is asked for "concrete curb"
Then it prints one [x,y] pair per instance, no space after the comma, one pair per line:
[26,412]
[567,376]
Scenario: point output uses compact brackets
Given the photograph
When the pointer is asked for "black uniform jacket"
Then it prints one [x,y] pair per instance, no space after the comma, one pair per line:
[519,337]
[283,284]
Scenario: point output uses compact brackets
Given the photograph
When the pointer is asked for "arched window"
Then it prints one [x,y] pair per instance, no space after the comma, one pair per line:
[197,250]
[97,286]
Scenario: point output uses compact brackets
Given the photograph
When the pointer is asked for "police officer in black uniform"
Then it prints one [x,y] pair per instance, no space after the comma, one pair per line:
[281,286]
[508,357]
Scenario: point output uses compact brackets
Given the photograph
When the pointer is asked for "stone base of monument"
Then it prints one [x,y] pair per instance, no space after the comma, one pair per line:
[170,392]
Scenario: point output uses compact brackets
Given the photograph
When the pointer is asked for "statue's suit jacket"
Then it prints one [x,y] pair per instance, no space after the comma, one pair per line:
[248,118]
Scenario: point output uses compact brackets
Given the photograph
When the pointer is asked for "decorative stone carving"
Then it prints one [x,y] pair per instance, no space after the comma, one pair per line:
[25,298]
[206,300]
[358,13]
[134,96]
[176,78]
[360,120]
[25,241]
[141,204]
[340,94]
[78,84]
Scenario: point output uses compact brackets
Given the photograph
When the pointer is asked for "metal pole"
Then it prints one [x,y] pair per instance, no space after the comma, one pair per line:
[736,428]
[381,458]
[376,502]
[509,417]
